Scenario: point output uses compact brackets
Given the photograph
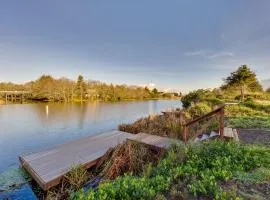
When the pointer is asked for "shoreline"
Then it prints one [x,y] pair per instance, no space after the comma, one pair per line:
[85,101]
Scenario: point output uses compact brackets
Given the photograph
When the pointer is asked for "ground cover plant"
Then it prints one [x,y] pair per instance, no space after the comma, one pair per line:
[248,122]
[192,171]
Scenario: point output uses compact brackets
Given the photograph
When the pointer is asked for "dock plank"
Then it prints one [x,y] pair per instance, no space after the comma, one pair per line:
[231,134]
[154,140]
[49,166]
[228,132]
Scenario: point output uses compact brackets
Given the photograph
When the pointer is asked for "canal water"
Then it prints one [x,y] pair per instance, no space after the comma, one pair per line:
[26,128]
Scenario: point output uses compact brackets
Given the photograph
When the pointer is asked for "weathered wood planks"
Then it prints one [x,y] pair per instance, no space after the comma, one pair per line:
[231,134]
[48,167]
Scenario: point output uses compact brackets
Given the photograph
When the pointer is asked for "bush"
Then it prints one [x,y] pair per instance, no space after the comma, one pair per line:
[214,101]
[199,167]
[199,110]
[196,96]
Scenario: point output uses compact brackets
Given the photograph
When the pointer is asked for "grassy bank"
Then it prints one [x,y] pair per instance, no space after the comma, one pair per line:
[248,122]
[212,170]
[32,101]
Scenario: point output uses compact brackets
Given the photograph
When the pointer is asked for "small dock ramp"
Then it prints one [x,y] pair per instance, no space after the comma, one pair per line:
[49,166]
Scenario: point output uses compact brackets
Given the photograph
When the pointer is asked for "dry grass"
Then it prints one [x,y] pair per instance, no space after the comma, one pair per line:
[77,176]
[72,181]
[263,102]
[129,157]
[169,125]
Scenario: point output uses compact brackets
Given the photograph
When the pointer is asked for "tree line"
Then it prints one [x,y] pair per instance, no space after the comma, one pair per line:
[242,84]
[47,88]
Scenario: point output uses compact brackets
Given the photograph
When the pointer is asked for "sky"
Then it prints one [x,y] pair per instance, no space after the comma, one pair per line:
[176,44]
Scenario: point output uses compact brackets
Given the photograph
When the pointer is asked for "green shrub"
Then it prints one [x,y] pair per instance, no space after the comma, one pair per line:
[199,110]
[214,101]
[196,96]
[201,167]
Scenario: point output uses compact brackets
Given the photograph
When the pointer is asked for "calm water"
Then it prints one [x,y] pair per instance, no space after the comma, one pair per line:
[32,127]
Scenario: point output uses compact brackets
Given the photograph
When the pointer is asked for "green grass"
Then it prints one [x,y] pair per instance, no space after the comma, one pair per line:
[257,106]
[76,177]
[197,168]
[248,122]
[243,111]
[257,176]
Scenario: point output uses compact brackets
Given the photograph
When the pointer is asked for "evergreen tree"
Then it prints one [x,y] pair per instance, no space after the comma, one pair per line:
[80,89]
[244,78]
[155,91]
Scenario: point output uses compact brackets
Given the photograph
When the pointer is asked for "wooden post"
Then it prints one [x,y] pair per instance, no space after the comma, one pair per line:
[21,98]
[221,128]
[184,134]
[6,99]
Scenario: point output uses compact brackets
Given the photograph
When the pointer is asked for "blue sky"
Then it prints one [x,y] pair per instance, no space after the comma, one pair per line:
[177,44]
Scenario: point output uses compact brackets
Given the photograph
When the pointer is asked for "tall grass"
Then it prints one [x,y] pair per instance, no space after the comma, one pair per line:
[169,125]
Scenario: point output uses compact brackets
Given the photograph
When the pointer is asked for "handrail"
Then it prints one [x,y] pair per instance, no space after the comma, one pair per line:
[221,127]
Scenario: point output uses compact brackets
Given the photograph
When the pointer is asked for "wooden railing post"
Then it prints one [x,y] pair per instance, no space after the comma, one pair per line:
[219,110]
[221,128]
[184,134]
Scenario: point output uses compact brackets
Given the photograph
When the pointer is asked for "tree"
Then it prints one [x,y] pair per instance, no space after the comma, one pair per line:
[80,88]
[244,78]
[146,89]
[155,91]
[268,90]
[195,97]
[43,88]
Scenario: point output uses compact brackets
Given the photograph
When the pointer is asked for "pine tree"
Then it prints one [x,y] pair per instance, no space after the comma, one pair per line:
[80,88]
[244,78]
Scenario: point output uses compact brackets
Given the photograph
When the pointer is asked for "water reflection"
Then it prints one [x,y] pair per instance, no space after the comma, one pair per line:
[31,127]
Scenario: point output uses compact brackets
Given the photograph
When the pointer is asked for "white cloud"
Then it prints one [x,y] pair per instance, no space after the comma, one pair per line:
[195,53]
[151,85]
[221,54]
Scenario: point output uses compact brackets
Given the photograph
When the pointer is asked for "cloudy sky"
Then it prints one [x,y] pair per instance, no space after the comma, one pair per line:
[181,44]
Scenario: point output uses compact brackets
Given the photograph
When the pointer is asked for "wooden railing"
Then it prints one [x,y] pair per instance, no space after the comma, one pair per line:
[219,110]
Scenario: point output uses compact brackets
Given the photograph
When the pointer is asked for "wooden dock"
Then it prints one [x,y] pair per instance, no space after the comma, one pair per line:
[49,166]
[230,133]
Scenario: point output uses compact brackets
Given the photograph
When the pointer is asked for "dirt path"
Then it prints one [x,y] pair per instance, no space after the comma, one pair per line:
[254,136]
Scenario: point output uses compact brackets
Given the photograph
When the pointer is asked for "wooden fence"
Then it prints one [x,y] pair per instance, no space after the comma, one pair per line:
[219,111]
